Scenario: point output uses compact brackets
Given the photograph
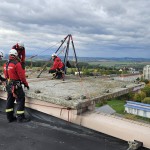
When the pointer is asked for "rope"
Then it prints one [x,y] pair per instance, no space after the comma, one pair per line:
[46,62]
[61,108]
[43,51]
[40,53]
[67,108]
[86,92]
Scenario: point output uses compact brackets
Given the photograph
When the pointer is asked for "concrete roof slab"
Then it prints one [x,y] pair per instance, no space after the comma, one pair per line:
[76,92]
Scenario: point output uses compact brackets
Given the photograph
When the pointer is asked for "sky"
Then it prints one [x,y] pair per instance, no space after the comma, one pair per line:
[100,28]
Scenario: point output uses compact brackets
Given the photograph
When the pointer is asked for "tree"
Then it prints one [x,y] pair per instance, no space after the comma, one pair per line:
[86,72]
[146,100]
[72,70]
[146,81]
[146,89]
[138,97]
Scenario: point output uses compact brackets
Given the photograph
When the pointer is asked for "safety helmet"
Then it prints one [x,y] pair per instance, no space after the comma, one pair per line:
[13,52]
[54,54]
[21,44]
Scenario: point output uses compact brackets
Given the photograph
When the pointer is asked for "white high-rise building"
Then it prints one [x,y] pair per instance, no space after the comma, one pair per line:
[146,72]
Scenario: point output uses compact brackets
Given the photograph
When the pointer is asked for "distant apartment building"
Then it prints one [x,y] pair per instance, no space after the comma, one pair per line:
[133,71]
[146,72]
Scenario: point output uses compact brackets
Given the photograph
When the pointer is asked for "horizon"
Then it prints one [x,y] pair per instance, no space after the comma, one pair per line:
[48,56]
[99,28]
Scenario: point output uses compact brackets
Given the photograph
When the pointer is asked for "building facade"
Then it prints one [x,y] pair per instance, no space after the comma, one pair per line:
[146,72]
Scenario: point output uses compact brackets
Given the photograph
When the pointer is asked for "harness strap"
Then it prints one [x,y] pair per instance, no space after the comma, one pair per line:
[13,91]
[7,64]
[14,84]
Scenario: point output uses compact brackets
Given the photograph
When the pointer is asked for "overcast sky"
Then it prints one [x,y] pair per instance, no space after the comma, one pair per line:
[100,28]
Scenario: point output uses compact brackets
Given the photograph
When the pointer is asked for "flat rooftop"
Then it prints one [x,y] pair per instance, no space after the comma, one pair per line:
[79,93]
[75,92]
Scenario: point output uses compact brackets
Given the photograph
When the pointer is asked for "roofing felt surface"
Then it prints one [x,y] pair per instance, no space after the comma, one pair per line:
[42,136]
[52,133]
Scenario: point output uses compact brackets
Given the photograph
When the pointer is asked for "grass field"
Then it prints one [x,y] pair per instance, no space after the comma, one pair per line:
[117,105]
[110,63]
[118,63]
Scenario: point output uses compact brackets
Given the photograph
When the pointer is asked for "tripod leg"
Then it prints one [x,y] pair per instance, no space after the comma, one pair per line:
[43,69]
[66,54]
[75,56]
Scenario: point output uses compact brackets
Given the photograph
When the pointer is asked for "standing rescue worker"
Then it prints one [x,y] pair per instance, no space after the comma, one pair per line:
[1,57]
[15,77]
[19,47]
[58,67]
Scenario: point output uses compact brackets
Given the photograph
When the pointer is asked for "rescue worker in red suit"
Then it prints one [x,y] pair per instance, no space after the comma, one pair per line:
[58,67]
[1,57]
[19,47]
[15,78]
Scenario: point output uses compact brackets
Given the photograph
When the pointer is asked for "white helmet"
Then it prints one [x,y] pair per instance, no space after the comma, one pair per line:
[1,54]
[21,44]
[13,52]
[54,54]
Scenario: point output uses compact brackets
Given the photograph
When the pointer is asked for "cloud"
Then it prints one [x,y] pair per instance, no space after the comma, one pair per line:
[107,27]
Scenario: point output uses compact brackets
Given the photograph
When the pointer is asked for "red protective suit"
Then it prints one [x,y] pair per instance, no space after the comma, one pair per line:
[14,71]
[58,64]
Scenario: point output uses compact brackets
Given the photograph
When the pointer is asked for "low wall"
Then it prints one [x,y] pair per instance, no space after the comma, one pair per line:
[118,93]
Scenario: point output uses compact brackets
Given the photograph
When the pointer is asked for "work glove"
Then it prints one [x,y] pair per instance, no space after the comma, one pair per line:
[2,79]
[26,86]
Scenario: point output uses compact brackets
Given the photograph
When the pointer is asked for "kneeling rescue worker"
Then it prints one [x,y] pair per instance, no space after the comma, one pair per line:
[57,68]
[15,78]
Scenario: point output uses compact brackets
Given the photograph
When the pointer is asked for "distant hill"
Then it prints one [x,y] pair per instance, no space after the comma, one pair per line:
[91,59]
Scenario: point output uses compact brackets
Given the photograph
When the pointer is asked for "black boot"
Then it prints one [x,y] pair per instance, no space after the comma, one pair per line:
[12,120]
[59,75]
[11,117]
[22,119]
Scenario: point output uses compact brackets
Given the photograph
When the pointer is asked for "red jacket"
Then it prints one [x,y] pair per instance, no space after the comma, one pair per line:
[21,52]
[58,64]
[14,71]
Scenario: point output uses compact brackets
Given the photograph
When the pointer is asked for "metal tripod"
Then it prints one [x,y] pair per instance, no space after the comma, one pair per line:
[69,40]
